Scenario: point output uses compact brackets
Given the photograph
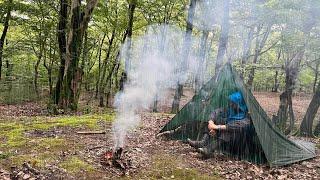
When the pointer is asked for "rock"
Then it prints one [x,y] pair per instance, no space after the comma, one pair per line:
[284,176]
[26,176]
[20,173]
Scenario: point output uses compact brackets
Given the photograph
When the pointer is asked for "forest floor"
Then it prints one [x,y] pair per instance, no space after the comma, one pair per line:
[36,145]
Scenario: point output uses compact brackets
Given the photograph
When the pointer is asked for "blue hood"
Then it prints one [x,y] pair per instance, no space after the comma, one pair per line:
[237,98]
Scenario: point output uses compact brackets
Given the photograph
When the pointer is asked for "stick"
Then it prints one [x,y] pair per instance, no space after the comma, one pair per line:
[97,147]
[91,132]
[168,132]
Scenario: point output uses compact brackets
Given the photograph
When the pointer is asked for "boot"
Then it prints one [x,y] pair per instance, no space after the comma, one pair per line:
[208,150]
[198,144]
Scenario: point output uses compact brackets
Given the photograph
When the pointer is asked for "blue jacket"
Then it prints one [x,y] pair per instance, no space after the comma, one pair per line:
[233,115]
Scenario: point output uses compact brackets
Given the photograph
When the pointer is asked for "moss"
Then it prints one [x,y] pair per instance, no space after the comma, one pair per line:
[15,138]
[73,121]
[12,134]
[42,151]
[166,167]
[5,155]
[52,144]
[75,165]
[34,160]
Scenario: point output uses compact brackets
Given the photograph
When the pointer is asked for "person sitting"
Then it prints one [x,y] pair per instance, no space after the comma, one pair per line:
[225,126]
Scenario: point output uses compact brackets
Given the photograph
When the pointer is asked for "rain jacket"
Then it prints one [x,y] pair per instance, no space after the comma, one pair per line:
[233,115]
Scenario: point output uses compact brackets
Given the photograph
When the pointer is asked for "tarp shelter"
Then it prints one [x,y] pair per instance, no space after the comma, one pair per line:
[266,145]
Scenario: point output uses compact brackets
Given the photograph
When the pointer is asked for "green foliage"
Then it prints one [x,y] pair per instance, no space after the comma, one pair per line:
[32,38]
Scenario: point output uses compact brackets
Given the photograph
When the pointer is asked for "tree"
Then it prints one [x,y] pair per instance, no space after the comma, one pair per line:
[307,122]
[203,49]
[260,43]
[293,61]
[68,92]
[131,10]
[185,54]
[62,42]
[223,40]
[4,32]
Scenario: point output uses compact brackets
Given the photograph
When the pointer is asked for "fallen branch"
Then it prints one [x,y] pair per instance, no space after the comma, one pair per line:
[91,132]
[168,132]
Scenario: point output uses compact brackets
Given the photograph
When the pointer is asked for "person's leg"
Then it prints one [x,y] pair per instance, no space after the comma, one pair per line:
[227,137]
[205,138]
[233,136]
[208,150]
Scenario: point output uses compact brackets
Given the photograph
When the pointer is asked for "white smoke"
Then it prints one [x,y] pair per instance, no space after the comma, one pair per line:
[156,64]
[208,14]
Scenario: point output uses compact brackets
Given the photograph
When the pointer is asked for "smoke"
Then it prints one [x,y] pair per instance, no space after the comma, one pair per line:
[158,60]
[156,64]
[208,14]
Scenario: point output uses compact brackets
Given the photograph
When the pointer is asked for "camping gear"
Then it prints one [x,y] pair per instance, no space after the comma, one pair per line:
[266,144]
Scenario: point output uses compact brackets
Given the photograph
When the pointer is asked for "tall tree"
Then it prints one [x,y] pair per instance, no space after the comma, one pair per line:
[223,40]
[131,10]
[72,75]
[185,54]
[292,66]
[200,70]
[307,122]
[260,43]
[4,32]
[62,42]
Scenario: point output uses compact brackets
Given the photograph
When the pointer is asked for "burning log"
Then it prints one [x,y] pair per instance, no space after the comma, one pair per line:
[116,159]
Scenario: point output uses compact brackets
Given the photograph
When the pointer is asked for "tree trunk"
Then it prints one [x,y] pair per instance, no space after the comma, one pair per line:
[104,69]
[246,50]
[291,116]
[50,65]
[307,122]
[62,42]
[99,66]
[316,73]
[276,77]
[223,40]
[260,43]
[185,55]
[4,32]
[317,129]
[291,70]
[36,76]
[200,71]
[131,10]
[69,92]
[276,82]
[42,44]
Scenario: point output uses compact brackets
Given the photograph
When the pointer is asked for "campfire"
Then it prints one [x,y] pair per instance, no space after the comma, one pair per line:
[116,159]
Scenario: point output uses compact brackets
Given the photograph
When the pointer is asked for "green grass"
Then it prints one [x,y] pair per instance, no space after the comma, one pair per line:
[167,167]
[12,133]
[16,147]
[75,165]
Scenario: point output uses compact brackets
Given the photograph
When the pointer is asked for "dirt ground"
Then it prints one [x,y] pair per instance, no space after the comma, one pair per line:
[52,148]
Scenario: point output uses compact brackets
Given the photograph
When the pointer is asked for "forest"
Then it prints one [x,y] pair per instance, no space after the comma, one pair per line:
[81,79]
